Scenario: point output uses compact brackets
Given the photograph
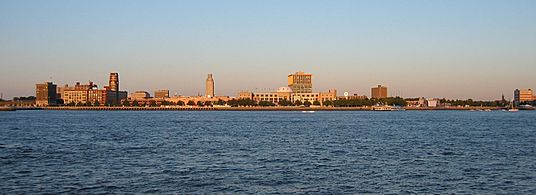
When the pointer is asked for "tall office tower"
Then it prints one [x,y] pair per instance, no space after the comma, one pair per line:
[113,85]
[45,94]
[379,92]
[300,82]
[209,90]
[114,81]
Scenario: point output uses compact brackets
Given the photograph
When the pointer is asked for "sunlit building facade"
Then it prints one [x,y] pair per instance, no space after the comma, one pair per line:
[379,92]
[300,82]
[45,94]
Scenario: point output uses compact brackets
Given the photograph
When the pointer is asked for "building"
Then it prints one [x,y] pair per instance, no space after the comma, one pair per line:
[77,94]
[331,95]
[113,87]
[209,89]
[163,93]
[140,95]
[523,95]
[113,82]
[432,102]
[379,92]
[90,94]
[45,94]
[300,82]
[286,93]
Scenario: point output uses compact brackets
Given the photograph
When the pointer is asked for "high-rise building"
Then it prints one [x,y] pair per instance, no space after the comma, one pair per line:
[379,92]
[209,90]
[45,94]
[300,82]
[164,93]
[114,81]
[113,88]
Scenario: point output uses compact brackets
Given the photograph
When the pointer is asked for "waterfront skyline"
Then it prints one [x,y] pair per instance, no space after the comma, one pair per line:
[454,49]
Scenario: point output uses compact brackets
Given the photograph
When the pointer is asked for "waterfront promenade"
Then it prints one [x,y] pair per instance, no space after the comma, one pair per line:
[194,108]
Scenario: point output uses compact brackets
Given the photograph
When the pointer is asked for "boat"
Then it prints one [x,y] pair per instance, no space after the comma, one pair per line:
[513,108]
[525,107]
[308,111]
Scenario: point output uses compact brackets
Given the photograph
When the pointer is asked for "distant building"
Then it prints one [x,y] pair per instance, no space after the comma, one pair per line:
[113,82]
[285,93]
[523,95]
[379,92]
[140,95]
[113,86]
[209,89]
[331,95]
[432,102]
[164,93]
[300,82]
[45,94]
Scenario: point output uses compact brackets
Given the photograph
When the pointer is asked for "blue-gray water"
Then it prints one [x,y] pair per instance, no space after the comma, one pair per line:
[267,152]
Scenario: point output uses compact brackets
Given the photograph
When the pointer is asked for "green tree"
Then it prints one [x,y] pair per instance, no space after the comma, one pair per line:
[328,103]
[266,103]
[232,102]
[208,103]
[285,102]
[220,102]
[316,103]
[180,103]
[152,103]
[200,103]
[307,103]
[135,103]
[79,104]
[96,103]
[298,103]
[126,103]
[191,103]
[246,102]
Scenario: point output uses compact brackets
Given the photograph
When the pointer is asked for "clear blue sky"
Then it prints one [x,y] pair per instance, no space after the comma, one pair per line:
[454,49]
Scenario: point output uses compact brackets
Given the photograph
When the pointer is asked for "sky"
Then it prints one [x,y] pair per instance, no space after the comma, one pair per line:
[454,49]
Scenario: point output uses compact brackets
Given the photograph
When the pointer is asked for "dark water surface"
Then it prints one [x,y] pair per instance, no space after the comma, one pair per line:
[267,152]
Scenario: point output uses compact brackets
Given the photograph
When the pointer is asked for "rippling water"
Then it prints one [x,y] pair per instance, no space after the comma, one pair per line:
[269,152]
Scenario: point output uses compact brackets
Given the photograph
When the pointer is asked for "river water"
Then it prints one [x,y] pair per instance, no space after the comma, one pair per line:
[411,152]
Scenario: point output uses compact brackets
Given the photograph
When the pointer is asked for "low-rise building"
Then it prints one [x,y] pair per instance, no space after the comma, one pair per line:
[432,102]
[163,93]
[523,95]
[140,95]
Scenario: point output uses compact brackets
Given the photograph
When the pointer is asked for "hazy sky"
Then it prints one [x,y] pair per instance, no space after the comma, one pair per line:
[453,49]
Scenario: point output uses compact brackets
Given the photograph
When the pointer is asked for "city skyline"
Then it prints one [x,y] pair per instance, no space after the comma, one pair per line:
[454,49]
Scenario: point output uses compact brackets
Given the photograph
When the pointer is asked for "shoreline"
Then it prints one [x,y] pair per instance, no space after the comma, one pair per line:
[186,108]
